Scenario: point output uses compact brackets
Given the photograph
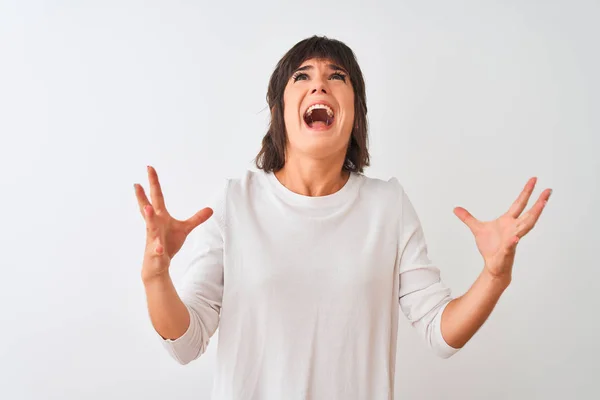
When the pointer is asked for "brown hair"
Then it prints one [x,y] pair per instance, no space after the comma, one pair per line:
[271,157]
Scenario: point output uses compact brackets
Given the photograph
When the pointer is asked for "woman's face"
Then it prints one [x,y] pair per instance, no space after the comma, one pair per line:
[319,109]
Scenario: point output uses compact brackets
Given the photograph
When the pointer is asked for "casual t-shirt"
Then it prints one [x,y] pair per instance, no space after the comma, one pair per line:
[306,290]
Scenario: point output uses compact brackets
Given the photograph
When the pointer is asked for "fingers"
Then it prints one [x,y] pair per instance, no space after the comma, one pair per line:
[519,205]
[158,201]
[466,217]
[528,220]
[153,240]
[147,211]
[197,219]
[141,198]
[151,220]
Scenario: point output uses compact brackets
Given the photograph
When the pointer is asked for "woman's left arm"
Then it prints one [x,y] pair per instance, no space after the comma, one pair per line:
[497,242]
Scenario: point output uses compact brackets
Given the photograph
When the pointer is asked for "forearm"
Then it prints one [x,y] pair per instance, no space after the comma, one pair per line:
[464,315]
[168,313]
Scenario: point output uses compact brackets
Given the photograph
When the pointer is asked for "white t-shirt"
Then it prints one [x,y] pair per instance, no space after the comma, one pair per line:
[306,290]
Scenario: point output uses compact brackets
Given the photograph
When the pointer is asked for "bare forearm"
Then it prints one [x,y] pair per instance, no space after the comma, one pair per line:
[168,314]
[464,315]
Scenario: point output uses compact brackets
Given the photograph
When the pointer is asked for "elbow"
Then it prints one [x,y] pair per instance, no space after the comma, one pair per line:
[446,353]
[182,360]
[185,359]
[435,336]
[184,355]
[440,347]
[192,344]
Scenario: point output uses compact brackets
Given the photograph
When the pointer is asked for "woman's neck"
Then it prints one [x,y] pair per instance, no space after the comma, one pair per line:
[315,179]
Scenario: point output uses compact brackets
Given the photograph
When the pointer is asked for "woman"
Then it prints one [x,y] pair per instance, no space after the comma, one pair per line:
[304,261]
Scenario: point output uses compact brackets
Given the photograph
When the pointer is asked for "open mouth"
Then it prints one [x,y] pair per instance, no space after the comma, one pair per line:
[318,116]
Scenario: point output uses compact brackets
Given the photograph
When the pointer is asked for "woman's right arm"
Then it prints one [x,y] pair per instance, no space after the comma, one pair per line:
[168,314]
[186,321]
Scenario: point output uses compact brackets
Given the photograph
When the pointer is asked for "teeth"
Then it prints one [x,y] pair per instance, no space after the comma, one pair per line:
[322,106]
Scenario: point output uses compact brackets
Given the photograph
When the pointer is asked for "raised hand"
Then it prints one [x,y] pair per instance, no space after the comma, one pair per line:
[165,235]
[497,240]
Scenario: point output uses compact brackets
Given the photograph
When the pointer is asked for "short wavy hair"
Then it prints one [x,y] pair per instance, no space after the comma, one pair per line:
[271,157]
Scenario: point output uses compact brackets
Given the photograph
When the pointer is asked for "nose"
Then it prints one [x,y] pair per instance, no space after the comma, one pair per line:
[319,86]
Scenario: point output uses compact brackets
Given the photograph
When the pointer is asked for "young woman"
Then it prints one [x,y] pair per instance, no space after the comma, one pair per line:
[302,263]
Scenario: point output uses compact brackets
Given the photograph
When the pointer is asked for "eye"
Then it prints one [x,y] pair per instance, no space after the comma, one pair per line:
[300,77]
[338,75]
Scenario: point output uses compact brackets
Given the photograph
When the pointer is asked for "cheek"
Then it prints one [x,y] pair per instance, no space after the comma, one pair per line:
[349,108]
[290,105]
[290,118]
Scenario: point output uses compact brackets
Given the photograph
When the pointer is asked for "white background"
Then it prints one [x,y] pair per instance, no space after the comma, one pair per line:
[467,100]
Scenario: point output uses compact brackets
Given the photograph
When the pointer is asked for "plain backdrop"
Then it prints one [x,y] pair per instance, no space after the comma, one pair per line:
[467,100]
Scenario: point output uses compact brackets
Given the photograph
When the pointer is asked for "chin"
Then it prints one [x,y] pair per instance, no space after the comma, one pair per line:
[319,145]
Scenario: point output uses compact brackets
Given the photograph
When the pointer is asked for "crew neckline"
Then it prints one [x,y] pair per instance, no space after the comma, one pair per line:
[334,199]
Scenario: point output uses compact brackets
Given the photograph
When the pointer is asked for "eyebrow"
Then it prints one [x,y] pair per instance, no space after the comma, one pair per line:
[331,66]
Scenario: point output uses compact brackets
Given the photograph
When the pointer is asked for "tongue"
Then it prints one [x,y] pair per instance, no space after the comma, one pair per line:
[318,119]
[318,124]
